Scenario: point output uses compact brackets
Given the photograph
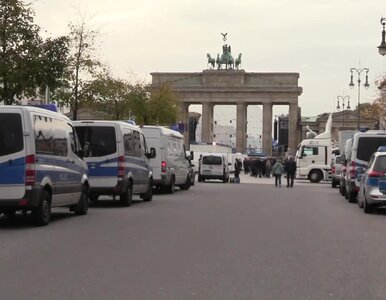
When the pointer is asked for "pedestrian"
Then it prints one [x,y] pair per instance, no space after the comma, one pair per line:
[290,169]
[238,166]
[268,167]
[277,171]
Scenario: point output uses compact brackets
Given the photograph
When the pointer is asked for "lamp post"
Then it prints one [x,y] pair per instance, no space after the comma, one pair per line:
[343,101]
[366,85]
[382,46]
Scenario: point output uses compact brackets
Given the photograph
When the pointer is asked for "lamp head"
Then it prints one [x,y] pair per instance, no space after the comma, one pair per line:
[382,46]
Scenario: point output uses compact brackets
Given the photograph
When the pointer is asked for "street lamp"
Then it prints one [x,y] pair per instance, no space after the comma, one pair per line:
[366,85]
[343,100]
[382,46]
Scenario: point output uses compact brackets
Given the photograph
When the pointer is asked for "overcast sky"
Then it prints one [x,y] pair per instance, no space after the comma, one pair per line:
[320,39]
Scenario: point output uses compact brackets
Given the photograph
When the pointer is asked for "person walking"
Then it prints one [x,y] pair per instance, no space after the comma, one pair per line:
[277,171]
[290,169]
[238,166]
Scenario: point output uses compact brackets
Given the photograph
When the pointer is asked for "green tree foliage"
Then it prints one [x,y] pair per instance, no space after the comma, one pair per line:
[109,95]
[27,63]
[52,62]
[123,100]
[82,66]
[162,106]
[19,50]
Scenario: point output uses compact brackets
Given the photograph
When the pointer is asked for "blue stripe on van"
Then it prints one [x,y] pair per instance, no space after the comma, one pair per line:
[12,171]
[103,168]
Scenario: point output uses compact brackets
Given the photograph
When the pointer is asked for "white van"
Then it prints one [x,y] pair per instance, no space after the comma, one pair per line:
[171,166]
[213,166]
[118,160]
[363,145]
[40,163]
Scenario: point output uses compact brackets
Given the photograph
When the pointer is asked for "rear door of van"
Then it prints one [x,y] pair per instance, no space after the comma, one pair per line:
[103,159]
[12,154]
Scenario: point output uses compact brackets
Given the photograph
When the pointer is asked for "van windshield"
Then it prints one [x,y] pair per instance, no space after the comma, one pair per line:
[368,145]
[101,139]
[211,160]
[11,133]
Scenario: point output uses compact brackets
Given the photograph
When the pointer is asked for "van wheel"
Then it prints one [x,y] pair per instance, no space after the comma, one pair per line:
[315,176]
[81,208]
[341,188]
[333,183]
[148,196]
[187,184]
[352,197]
[41,215]
[367,208]
[172,187]
[126,198]
[93,197]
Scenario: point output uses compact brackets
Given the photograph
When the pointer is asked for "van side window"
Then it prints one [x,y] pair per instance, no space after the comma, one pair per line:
[137,143]
[59,137]
[143,144]
[128,141]
[43,135]
[73,138]
[11,133]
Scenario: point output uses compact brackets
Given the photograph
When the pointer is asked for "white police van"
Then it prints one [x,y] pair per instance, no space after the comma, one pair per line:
[171,167]
[118,160]
[363,145]
[40,163]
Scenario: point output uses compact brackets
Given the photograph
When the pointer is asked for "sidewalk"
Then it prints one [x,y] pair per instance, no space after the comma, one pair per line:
[247,178]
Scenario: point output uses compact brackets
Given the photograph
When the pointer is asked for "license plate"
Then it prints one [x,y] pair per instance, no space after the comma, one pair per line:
[382,185]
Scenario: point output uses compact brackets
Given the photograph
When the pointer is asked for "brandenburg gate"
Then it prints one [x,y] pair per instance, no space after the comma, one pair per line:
[231,86]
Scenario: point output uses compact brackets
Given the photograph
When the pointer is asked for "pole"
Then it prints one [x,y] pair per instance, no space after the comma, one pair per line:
[359,97]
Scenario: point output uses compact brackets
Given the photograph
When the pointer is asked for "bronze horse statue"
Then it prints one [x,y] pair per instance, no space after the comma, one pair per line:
[211,61]
[238,61]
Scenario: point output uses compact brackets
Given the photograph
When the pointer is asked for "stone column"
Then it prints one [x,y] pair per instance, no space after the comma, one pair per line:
[183,117]
[267,128]
[207,123]
[241,127]
[292,129]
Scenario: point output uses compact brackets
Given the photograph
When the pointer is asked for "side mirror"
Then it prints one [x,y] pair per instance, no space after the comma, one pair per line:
[152,153]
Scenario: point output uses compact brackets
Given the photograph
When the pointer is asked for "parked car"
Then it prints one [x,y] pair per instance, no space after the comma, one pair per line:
[41,163]
[118,160]
[213,166]
[336,169]
[372,191]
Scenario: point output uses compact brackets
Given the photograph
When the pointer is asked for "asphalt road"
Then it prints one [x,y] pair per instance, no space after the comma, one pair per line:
[215,241]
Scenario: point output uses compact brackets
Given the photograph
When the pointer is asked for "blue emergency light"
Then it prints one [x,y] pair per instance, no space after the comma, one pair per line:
[381,149]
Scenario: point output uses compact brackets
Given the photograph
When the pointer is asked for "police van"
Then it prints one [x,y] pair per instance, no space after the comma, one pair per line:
[41,163]
[363,145]
[118,160]
[171,167]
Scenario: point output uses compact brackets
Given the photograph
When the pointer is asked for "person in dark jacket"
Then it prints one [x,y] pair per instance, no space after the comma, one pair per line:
[290,169]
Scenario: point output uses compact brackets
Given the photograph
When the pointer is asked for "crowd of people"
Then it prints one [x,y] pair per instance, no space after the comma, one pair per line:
[267,166]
